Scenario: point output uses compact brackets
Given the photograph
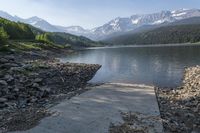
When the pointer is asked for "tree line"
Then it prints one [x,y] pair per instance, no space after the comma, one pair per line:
[169,34]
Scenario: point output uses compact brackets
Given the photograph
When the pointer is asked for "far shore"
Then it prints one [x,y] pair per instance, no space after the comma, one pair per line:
[146,45]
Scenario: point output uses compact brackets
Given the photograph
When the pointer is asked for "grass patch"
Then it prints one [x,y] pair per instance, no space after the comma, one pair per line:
[19,46]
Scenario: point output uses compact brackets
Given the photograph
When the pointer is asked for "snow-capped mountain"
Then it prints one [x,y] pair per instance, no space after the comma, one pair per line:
[77,30]
[41,23]
[116,26]
[120,25]
[34,21]
[7,16]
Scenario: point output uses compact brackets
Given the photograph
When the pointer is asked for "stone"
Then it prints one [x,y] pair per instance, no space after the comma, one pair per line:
[2,105]
[8,78]
[35,85]
[33,100]
[22,103]
[17,69]
[3,60]
[3,100]
[10,57]
[9,65]
[16,90]
[38,80]
[3,82]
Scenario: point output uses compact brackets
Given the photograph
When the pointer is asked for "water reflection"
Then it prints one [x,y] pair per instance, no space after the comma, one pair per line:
[160,66]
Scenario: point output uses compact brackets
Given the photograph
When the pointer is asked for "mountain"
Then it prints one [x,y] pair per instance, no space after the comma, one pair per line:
[173,33]
[193,20]
[7,16]
[115,27]
[34,21]
[76,30]
[122,25]
[40,23]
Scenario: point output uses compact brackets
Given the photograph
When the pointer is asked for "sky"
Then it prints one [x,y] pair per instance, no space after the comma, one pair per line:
[89,13]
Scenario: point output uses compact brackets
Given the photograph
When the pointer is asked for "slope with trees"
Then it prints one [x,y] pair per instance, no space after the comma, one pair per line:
[189,33]
[16,31]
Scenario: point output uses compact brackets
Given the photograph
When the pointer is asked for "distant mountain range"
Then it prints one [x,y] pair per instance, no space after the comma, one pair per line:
[115,27]
[181,31]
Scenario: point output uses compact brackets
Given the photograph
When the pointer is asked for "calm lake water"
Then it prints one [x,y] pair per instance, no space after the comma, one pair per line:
[158,65]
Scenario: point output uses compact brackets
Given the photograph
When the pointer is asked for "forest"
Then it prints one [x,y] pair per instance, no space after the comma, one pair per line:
[164,35]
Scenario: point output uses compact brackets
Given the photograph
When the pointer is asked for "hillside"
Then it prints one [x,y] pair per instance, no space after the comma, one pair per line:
[182,33]
[17,31]
[66,39]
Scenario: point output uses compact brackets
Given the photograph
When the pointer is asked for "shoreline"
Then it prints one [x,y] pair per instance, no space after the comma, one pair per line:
[180,107]
[38,108]
[143,46]
[32,82]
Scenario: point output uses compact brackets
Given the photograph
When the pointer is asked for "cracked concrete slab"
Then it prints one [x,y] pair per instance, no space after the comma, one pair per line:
[94,110]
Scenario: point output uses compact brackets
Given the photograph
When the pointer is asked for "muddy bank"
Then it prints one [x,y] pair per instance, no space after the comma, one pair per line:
[180,107]
[29,87]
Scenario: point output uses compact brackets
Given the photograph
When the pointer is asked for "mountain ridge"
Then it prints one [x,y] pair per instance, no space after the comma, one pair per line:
[114,27]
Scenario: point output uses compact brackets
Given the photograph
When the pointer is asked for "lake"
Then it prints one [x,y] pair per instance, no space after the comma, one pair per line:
[162,66]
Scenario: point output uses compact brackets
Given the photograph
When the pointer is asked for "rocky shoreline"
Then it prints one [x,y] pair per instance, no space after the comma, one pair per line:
[29,87]
[180,107]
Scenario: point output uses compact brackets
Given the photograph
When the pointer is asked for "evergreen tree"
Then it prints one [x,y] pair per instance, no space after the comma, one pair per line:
[3,36]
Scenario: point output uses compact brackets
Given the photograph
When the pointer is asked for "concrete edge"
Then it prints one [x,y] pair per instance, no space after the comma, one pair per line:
[131,85]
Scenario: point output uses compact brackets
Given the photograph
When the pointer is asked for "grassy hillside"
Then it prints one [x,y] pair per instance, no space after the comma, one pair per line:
[17,31]
[163,35]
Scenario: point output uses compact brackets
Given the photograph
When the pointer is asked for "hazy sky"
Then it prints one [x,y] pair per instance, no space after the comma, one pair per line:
[89,13]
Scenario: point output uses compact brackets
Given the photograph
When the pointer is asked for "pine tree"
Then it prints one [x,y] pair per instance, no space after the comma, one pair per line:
[3,36]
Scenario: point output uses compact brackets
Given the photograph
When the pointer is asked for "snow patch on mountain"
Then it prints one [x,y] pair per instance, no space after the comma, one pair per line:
[136,21]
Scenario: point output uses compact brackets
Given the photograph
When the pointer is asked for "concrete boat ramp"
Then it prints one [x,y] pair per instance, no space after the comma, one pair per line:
[94,110]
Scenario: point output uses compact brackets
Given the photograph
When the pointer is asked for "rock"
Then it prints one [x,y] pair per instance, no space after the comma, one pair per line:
[190,115]
[33,100]
[3,83]
[35,85]
[10,97]
[3,60]
[8,78]
[10,57]
[22,103]
[16,90]
[3,100]
[38,80]
[23,79]
[3,105]
[17,69]
[9,65]
[27,66]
